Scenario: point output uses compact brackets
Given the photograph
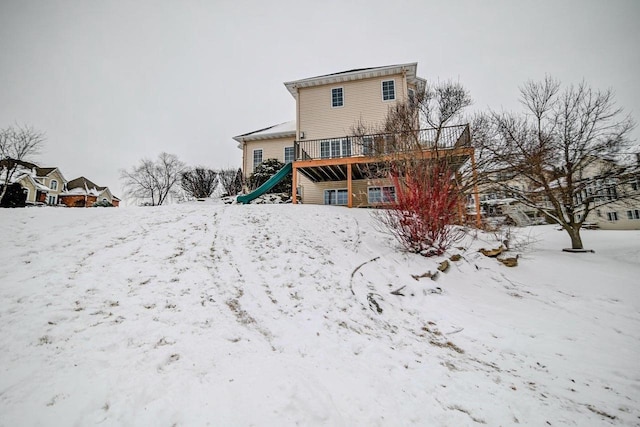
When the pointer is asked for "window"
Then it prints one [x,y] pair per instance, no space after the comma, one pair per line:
[634,214]
[367,145]
[336,197]
[388,90]
[340,147]
[382,195]
[337,97]
[288,154]
[54,184]
[412,95]
[612,216]
[257,158]
[51,200]
[635,184]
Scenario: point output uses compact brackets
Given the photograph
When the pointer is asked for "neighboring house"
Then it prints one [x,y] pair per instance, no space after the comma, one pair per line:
[42,185]
[36,192]
[329,164]
[53,179]
[614,190]
[617,202]
[81,192]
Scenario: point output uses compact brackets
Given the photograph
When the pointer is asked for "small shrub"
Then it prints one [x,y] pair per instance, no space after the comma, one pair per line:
[423,215]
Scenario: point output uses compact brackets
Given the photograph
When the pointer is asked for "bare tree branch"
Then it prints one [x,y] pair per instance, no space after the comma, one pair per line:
[17,144]
[153,182]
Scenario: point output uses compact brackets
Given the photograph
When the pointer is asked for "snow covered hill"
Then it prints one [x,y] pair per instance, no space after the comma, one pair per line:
[207,314]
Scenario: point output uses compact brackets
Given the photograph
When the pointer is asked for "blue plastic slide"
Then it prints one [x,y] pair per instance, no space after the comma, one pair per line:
[271,182]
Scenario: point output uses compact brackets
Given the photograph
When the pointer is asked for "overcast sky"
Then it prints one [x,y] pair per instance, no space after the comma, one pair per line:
[111,82]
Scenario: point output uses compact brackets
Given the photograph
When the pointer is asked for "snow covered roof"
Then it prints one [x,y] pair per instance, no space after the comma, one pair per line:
[26,175]
[358,74]
[276,131]
[79,191]
[82,182]
[83,186]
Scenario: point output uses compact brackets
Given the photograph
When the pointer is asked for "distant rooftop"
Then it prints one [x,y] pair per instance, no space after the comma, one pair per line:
[271,132]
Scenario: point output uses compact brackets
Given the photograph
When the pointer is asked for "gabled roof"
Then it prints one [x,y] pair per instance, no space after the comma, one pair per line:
[276,131]
[82,182]
[83,186]
[358,74]
[35,183]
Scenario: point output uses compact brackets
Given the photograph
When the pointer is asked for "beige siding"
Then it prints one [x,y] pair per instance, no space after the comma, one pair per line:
[313,192]
[26,183]
[271,149]
[621,208]
[362,100]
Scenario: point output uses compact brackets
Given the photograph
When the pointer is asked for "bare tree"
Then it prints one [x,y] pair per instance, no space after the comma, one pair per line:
[199,182]
[567,145]
[153,181]
[231,180]
[17,144]
[415,148]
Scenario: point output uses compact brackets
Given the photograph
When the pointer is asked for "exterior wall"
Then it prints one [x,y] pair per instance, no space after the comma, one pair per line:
[78,201]
[599,216]
[271,149]
[362,100]
[26,183]
[55,175]
[313,192]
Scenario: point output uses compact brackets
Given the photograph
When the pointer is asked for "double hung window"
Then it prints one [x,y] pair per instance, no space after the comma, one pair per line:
[336,197]
[388,90]
[337,97]
[385,194]
[257,158]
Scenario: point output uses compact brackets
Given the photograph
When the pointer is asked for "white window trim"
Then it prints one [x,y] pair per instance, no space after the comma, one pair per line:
[253,158]
[284,153]
[395,92]
[381,187]
[336,190]
[345,148]
[337,106]
[51,183]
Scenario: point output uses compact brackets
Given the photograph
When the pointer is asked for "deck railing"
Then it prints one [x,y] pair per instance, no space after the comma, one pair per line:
[383,143]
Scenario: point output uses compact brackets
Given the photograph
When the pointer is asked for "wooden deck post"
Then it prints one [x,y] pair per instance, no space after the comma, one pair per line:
[294,184]
[349,187]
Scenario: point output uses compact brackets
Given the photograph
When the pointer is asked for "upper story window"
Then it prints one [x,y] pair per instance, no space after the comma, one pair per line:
[337,97]
[54,184]
[288,154]
[388,90]
[257,158]
[412,95]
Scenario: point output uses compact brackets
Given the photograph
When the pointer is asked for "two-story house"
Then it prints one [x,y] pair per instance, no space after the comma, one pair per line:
[330,161]
[41,185]
[81,192]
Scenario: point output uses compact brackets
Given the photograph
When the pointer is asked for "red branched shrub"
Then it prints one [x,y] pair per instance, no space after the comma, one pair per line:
[425,208]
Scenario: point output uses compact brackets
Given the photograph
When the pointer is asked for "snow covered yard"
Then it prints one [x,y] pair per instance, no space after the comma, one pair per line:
[207,314]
